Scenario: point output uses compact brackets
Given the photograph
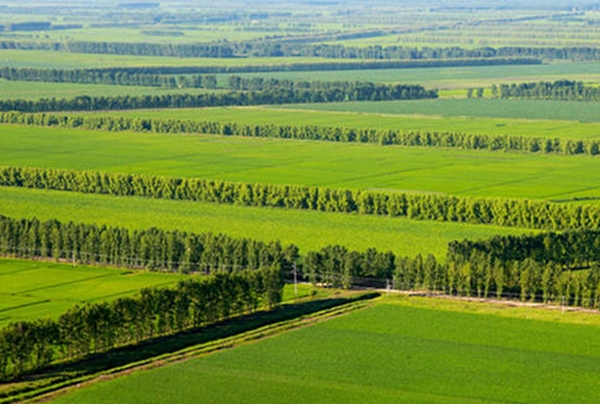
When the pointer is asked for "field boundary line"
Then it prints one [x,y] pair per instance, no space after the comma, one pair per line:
[47,393]
[25,292]
[507,302]
[25,305]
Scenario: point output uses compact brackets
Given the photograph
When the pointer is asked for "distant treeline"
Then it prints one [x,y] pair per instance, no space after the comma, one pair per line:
[95,328]
[421,206]
[88,76]
[398,137]
[350,90]
[563,90]
[264,48]
[356,92]
[316,66]
[264,84]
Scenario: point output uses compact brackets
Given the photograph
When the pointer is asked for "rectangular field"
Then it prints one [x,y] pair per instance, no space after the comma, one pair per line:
[396,351]
[360,166]
[577,111]
[35,90]
[34,289]
[451,77]
[442,78]
[308,230]
[50,59]
[404,115]
[31,290]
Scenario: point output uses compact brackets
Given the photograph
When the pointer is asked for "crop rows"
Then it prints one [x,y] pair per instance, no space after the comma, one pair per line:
[401,351]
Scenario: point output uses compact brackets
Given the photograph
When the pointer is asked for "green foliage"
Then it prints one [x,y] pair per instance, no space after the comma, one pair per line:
[99,327]
[387,353]
[502,212]
[276,95]
[33,290]
[473,108]
[560,268]
[153,249]
[398,137]
[338,165]
[309,230]
[563,90]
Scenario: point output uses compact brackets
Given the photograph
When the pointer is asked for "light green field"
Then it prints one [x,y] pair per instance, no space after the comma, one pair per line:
[10,90]
[492,35]
[310,231]
[33,289]
[397,116]
[396,351]
[338,165]
[442,78]
[451,77]
[49,59]
[473,108]
[135,35]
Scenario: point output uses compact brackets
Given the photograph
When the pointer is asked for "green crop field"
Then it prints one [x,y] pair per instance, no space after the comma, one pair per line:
[450,77]
[308,230]
[473,108]
[393,118]
[396,351]
[394,348]
[49,59]
[360,166]
[35,90]
[145,35]
[34,289]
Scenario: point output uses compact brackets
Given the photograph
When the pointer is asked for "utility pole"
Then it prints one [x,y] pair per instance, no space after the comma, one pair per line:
[295,279]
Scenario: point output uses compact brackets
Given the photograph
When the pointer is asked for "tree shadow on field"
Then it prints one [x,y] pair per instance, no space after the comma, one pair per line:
[60,375]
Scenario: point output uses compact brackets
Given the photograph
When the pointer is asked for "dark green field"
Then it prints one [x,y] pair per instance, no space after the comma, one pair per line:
[392,352]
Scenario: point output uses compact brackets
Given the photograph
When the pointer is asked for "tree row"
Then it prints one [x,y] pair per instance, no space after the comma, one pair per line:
[361,92]
[153,249]
[558,278]
[421,206]
[577,248]
[94,328]
[397,137]
[267,48]
[316,66]
[207,81]
[91,76]
[560,268]
[526,280]
[552,267]
[563,90]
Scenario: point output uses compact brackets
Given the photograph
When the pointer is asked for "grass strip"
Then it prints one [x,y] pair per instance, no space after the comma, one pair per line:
[161,351]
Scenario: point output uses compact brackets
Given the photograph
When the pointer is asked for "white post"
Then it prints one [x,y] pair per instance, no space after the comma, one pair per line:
[295,280]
